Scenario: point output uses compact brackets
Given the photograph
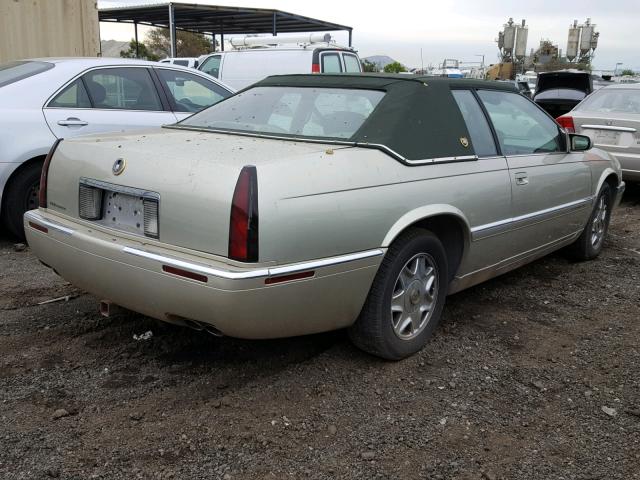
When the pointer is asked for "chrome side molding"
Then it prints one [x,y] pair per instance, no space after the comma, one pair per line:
[494,228]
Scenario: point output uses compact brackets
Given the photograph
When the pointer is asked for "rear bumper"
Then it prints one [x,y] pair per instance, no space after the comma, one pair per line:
[239,302]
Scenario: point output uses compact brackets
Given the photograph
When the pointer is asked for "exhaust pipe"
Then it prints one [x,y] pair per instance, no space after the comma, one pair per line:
[200,326]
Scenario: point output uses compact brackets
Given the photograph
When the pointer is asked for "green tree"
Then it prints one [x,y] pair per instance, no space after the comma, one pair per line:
[628,71]
[395,67]
[187,44]
[143,52]
[368,66]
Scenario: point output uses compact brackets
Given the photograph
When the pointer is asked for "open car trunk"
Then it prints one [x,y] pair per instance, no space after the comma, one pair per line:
[559,92]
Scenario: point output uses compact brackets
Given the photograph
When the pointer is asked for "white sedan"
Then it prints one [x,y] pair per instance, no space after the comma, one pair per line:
[42,100]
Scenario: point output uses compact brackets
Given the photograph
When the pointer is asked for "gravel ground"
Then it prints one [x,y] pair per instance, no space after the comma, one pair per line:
[533,375]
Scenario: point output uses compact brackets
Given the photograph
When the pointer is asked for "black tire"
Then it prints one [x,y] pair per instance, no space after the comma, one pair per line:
[374,330]
[20,195]
[585,248]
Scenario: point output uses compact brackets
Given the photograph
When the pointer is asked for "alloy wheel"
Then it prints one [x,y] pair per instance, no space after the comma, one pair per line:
[414,296]
[599,222]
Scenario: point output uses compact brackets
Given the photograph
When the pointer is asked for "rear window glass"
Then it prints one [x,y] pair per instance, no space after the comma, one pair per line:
[351,63]
[298,111]
[331,63]
[14,71]
[612,101]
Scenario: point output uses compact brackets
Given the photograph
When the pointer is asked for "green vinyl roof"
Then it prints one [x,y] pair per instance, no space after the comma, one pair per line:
[417,118]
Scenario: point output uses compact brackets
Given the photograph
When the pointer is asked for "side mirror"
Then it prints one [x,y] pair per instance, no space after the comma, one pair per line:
[579,143]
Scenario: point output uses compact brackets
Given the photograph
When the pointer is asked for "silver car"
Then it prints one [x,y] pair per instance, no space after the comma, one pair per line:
[611,118]
[308,203]
[42,100]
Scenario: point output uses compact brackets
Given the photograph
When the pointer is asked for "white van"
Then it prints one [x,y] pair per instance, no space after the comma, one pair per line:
[190,62]
[252,59]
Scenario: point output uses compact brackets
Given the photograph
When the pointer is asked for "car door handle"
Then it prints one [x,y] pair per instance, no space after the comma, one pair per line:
[521,178]
[72,121]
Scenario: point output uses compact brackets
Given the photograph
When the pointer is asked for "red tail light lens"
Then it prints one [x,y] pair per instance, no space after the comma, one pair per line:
[42,193]
[566,122]
[243,227]
[315,68]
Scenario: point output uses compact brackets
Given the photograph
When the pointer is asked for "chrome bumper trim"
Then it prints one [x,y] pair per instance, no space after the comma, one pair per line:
[196,267]
[33,216]
[217,272]
[611,128]
[253,273]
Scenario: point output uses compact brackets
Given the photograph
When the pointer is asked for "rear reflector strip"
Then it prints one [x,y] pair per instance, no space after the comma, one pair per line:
[41,228]
[184,273]
[288,278]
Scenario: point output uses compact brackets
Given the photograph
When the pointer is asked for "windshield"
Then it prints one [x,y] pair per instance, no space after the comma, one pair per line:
[616,100]
[300,111]
[14,71]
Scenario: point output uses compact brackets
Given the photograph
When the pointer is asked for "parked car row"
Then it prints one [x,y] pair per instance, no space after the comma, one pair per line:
[611,118]
[308,203]
[43,100]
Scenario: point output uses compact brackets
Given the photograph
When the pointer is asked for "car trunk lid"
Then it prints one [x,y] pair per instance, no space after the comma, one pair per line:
[172,185]
[620,134]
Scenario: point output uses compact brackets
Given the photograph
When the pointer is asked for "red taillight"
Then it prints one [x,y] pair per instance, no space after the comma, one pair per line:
[42,194]
[243,227]
[315,68]
[566,122]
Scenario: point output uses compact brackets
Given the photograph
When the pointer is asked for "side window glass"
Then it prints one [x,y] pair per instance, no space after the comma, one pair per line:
[122,89]
[183,63]
[190,93]
[351,63]
[74,96]
[212,66]
[331,63]
[521,127]
[477,125]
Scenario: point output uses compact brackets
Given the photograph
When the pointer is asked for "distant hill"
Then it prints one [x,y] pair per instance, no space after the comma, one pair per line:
[380,60]
[112,48]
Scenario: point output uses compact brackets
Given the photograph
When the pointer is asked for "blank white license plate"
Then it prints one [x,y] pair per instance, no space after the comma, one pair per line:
[124,212]
[606,137]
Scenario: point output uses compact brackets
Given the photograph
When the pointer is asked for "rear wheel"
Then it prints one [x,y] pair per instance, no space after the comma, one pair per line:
[406,299]
[21,195]
[589,244]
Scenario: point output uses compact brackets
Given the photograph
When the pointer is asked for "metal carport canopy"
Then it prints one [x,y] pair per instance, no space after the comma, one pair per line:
[216,20]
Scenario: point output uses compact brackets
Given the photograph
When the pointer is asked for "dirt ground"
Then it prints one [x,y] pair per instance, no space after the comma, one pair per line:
[533,375]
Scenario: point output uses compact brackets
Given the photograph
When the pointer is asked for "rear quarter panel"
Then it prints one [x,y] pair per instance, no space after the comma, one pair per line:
[357,199]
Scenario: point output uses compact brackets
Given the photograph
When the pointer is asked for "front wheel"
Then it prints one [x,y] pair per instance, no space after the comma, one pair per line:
[406,298]
[589,244]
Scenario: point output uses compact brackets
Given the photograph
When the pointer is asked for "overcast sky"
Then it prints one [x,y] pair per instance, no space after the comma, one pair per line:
[458,29]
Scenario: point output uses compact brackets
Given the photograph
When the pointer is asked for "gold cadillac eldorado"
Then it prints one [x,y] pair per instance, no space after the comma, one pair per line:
[308,203]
